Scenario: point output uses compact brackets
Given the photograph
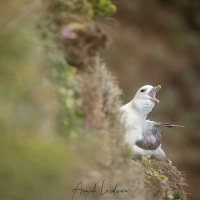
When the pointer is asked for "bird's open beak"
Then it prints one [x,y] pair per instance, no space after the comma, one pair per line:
[153,92]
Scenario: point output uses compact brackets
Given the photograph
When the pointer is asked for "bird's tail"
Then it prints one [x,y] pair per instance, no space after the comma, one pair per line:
[168,125]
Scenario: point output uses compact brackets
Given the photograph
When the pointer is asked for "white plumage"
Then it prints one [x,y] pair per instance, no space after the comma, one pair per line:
[142,134]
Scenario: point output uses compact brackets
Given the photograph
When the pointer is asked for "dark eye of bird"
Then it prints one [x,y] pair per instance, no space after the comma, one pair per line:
[143,90]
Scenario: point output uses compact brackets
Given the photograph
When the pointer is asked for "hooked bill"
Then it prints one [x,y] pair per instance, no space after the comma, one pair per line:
[153,92]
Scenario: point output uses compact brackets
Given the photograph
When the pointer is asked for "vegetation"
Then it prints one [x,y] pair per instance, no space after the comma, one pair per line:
[178,196]
[168,178]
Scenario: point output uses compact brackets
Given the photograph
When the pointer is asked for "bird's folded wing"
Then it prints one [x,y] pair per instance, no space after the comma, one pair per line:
[151,136]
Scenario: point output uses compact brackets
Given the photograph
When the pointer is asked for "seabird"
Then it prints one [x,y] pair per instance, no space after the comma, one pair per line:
[141,134]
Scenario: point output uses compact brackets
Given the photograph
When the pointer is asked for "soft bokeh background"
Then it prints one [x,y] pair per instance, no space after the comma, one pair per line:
[158,42]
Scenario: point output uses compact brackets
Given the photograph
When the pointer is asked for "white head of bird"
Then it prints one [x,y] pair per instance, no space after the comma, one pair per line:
[144,99]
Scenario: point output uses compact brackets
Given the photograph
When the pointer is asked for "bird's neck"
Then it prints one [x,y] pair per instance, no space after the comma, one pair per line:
[142,107]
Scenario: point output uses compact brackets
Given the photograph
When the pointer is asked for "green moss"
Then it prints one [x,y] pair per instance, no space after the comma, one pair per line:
[149,168]
[102,7]
[86,10]
[178,196]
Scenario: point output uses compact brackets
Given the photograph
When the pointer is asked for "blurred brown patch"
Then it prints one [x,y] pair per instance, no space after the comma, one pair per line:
[100,96]
[82,43]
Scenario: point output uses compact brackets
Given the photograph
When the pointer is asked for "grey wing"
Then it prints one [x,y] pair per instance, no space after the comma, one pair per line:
[151,136]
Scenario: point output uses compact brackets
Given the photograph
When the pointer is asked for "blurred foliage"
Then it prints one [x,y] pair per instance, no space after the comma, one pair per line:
[22,63]
[33,167]
[38,94]
[83,10]
[53,16]
[102,7]
[34,164]
[62,74]
[178,196]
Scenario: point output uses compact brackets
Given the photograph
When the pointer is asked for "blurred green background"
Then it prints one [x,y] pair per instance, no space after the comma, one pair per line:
[33,163]
[158,42]
[152,42]
[40,119]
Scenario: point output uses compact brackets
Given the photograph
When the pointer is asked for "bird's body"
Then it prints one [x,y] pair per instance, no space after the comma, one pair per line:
[142,135]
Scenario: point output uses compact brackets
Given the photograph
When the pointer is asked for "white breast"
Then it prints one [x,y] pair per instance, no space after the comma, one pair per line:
[132,124]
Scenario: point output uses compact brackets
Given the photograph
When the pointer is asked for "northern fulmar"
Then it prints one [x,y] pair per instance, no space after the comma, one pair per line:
[143,136]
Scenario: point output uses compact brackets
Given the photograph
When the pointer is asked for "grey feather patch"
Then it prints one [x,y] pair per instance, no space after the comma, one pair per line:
[151,136]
